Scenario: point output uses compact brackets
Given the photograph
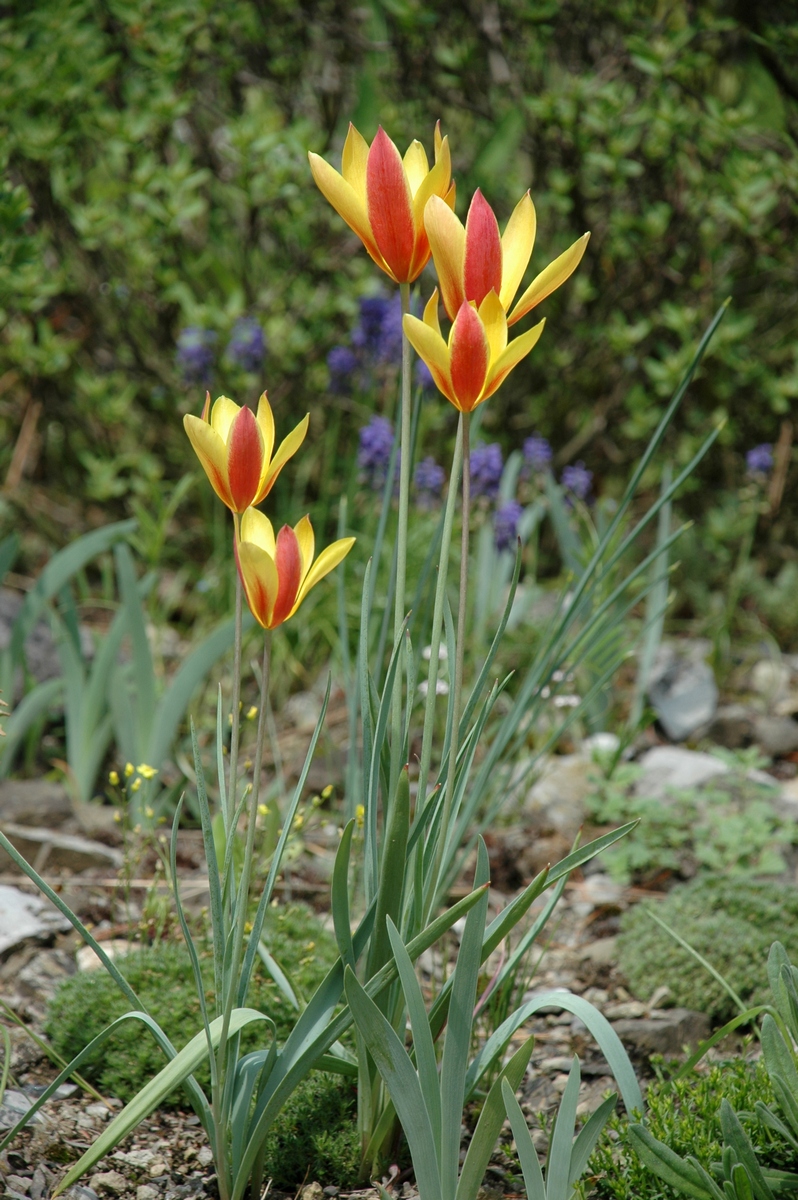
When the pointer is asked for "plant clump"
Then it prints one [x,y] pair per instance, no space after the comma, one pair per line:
[731,922]
[161,976]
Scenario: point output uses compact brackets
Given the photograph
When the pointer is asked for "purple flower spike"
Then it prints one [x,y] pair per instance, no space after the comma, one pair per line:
[368,331]
[537,453]
[429,480]
[505,525]
[389,348]
[247,345]
[486,469]
[759,460]
[577,480]
[341,362]
[195,353]
[374,455]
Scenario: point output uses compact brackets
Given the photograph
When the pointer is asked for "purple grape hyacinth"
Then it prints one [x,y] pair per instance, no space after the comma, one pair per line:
[247,345]
[374,455]
[194,355]
[505,525]
[537,453]
[577,479]
[424,378]
[759,460]
[486,469]
[368,331]
[429,480]
[342,363]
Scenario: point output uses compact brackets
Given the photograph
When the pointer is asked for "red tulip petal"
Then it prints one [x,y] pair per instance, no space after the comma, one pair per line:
[244,458]
[469,356]
[482,270]
[288,560]
[389,206]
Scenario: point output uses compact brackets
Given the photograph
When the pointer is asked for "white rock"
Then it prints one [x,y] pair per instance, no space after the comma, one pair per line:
[87,960]
[668,767]
[24,916]
[770,678]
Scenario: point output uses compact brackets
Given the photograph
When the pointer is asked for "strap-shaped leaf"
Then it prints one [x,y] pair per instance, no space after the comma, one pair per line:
[175,1072]
[778,1056]
[396,1069]
[490,1122]
[527,1154]
[558,1160]
[685,1175]
[426,1062]
[588,1136]
[738,1139]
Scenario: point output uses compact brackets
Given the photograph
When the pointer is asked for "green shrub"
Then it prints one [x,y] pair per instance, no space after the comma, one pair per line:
[731,922]
[161,975]
[315,1136]
[685,1115]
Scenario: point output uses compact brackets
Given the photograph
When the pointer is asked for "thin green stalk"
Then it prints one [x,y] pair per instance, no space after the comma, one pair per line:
[240,918]
[437,619]
[457,683]
[234,737]
[401,536]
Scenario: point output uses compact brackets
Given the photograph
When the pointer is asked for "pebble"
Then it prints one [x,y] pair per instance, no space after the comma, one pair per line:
[109,1181]
[145,1192]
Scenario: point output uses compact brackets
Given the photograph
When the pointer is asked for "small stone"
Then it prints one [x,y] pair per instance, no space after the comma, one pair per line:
[682,690]
[204,1156]
[312,1191]
[145,1191]
[603,950]
[87,960]
[157,1168]
[34,802]
[666,1033]
[99,1111]
[110,1182]
[666,768]
[331,1190]
[48,847]
[18,1183]
[79,1191]
[556,801]
[24,917]
[778,736]
[42,1182]
[559,1062]
[732,727]
[770,678]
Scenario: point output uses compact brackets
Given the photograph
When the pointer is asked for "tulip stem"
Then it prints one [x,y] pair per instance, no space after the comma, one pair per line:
[243,887]
[437,619]
[401,540]
[457,683]
[236,723]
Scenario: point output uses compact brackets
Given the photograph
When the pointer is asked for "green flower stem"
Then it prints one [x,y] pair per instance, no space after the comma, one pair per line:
[240,917]
[457,687]
[401,537]
[437,619]
[234,737]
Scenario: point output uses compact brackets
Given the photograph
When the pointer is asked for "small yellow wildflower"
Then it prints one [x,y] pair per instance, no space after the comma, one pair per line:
[252,712]
[129,769]
[149,813]
[299,821]
[360,816]
[117,817]
[113,778]
[135,785]
[327,792]
[146,771]
[263,810]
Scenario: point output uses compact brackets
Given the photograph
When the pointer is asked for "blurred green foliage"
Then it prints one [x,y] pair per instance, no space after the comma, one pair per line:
[153,177]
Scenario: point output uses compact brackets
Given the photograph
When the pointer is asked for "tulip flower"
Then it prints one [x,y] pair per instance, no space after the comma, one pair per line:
[473,260]
[382,197]
[278,572]
[235,448]
[477,357]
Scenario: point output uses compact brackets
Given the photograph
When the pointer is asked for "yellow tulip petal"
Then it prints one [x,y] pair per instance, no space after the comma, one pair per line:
[287,449]
[517,242]
[257,529]
[550,279]
[438,140]
[212,453]
[495,322]
[517,349]
[326,562]
[431,313]
[307,544]
[223,413]
[259,577]
[346,202]
[451,196]
[265,419]
[353,162]
[416,165]
[430,346]
[447,242]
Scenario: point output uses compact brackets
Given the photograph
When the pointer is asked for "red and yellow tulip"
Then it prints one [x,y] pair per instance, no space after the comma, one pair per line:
[278,572]
[235,448]
[477,357]
[473,260]
[382,197]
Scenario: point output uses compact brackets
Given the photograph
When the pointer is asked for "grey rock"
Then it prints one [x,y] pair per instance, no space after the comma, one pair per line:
[665,768]
[110,1182]
[42,1182]
[26,917]
[733,727]
[770,678]
[556,801]
[15,1105]
[18,1183]
[146,1191]
[34,802]
[682,690]
[776,735]
[53,850]
[667,1032]
[79,1191]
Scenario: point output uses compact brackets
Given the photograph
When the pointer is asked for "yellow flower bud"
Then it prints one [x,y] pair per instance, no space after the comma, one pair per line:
[252,713]
[113,778]
[327,792]
[360,816]
[129,769]
[263,810]
[135,785]
[149,813]
[146,771]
